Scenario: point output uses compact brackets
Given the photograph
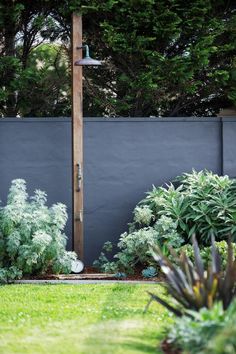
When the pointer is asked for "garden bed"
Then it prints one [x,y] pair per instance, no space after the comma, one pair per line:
[167,348]
[91,273]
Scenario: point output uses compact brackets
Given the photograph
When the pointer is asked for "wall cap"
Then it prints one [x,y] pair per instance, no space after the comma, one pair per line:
[120,119]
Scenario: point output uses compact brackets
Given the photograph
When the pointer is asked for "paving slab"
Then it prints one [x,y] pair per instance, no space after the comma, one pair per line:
[82,281]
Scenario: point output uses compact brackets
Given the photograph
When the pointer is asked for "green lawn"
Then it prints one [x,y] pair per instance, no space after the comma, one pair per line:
[91,319]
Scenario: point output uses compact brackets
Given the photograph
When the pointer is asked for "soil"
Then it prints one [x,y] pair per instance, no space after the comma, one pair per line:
[90,273]
[167,348]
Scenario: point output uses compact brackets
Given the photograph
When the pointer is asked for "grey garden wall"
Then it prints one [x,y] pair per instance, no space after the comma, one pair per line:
[122,159]
[39,151]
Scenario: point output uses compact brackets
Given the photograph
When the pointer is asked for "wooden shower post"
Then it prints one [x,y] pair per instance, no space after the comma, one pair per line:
[77,136]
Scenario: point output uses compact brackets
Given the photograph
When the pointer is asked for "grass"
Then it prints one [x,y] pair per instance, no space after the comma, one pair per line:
[91,319]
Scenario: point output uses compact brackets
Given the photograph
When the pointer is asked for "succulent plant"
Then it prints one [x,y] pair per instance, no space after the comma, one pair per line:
[149,272]
[120,275]
[194,287]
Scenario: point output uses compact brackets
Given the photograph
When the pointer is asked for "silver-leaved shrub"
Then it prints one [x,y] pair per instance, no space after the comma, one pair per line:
[143,215]
[32,240]
[200,203]
[135,246]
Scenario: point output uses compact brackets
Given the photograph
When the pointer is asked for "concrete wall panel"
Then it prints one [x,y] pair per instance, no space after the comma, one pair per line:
[39,151]
[122,159]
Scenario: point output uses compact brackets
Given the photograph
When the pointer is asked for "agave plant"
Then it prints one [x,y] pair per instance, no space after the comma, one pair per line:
[194,287]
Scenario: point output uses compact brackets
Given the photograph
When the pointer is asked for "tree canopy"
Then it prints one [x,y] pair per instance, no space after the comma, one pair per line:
[161,58]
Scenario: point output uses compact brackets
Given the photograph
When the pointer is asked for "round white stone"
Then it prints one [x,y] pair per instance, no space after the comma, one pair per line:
[77,266]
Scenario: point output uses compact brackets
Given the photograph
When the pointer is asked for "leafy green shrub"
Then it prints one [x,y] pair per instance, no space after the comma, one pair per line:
[200,203]
[209,331]
[192,333]
[205,252]
[225,340]
[31,235]
[103,263]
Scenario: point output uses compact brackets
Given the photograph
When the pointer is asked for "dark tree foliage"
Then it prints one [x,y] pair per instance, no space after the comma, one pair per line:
[34,73]
[161,58]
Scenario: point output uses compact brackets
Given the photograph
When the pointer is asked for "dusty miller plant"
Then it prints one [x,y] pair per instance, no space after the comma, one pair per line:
[31,235]
[134,247]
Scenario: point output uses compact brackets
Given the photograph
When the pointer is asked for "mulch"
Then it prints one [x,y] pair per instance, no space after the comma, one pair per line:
[90,273]
[167,348]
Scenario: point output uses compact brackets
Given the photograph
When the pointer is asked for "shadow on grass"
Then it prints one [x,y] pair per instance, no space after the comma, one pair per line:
[141,347]
[113,339]
[140,344]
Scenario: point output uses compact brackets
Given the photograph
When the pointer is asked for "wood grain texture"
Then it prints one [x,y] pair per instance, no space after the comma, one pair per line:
[77,135]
